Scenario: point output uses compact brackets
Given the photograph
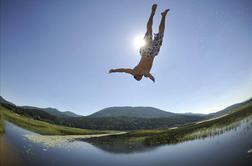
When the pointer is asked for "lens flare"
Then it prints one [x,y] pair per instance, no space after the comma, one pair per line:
[139,41]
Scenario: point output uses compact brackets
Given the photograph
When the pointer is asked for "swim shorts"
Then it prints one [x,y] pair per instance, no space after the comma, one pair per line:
[151,47]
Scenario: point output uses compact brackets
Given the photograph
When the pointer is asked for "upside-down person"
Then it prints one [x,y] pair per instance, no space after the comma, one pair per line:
[149,50]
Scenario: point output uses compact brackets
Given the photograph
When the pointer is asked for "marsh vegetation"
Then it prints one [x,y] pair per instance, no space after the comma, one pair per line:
[183,133]
[201,130]
[1,122]
[42,127]
[69,144]
[147,137]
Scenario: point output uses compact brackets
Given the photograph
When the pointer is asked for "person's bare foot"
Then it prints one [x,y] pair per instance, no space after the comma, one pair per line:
[165,12]
[153,9]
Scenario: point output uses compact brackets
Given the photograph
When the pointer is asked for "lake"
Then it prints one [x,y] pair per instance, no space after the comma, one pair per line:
[229,148]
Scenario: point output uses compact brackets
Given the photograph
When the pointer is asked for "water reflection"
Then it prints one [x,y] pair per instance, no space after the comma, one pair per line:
[225,148]
[121,146]
[118,144]
[218,130]
[8,152]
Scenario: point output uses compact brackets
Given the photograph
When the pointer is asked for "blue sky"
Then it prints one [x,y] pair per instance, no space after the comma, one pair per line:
[57,53]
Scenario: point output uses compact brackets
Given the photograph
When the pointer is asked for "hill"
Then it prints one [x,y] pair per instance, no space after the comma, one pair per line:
[230,109]
[71,114]
[56,112]
[118,118]
[130,123]
[52,111]
[3,101]
[114,118]
[136,112]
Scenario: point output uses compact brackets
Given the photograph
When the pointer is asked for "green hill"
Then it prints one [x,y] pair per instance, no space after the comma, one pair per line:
[136,112]
[49,110]
[130,123]
[55,112]
[117,118]
[71,114]
[114,118]
[231,109]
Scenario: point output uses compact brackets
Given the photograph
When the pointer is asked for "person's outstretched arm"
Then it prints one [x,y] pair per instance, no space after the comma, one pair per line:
[150,76]
[129,71]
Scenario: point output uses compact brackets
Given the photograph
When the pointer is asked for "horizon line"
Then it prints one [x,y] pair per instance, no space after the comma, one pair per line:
[126,106]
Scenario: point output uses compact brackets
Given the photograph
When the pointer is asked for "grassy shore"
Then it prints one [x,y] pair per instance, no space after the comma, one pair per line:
[199,130]
[148,137]
[182,133]
[1,122]
[42,127]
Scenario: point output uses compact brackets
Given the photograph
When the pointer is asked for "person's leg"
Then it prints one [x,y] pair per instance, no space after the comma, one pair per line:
[150,21]
[162,23]
[158,38]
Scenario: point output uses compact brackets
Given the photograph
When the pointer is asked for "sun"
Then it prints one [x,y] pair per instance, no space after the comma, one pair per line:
[139,41]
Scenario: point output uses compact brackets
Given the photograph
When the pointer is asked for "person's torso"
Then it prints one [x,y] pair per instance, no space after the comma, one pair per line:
[144,65]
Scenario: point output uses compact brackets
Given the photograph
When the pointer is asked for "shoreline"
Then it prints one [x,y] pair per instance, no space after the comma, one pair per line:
[52,141]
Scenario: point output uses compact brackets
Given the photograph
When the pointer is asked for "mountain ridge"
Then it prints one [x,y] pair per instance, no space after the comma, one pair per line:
[146,118]
[127,111]
[50,110]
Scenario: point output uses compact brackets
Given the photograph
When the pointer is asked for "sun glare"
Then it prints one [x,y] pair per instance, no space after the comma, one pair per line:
[139,41]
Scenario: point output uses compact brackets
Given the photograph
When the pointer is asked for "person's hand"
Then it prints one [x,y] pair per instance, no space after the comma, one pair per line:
[152,78]
[111,71]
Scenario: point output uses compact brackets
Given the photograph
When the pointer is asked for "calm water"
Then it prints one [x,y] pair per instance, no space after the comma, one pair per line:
[227,149]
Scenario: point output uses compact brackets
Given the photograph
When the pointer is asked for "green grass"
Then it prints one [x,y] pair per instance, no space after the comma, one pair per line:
[1,122]
[186,132]
[42,127]
[181,133]
[194,131]
[148,137]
